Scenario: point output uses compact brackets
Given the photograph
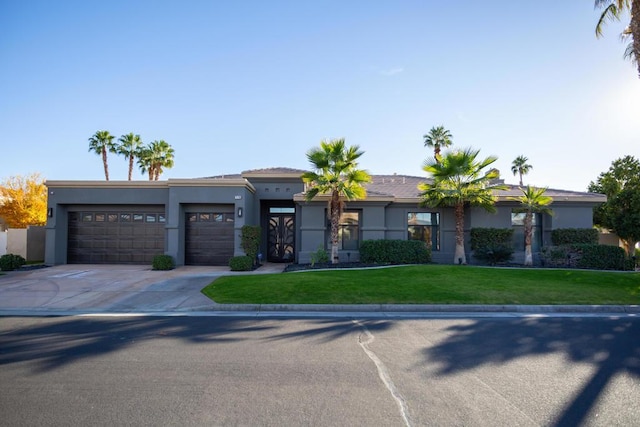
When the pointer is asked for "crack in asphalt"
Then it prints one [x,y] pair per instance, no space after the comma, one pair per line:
[383,373]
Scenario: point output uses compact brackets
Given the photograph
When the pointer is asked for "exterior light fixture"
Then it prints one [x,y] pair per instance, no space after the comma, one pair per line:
[240,212]
[50,212]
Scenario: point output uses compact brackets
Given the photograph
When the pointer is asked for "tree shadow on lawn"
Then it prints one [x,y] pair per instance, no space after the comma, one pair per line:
[612,347]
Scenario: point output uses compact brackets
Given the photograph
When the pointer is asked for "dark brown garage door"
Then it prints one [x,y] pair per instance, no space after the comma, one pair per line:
[118,237]
[209,238]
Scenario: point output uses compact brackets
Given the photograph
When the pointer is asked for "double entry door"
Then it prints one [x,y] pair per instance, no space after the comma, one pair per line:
[281,234]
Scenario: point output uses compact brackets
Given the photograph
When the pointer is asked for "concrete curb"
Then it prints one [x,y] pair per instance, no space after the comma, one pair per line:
[421,308]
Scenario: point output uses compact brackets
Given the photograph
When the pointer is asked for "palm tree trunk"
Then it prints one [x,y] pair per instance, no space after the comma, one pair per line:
[105,164]
[459,257]
[528,256]
[335,223]
[130,167]
[635,30]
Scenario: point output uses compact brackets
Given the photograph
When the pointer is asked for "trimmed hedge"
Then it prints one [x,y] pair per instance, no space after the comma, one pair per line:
[570,236]
[394,252]
[492,245]
[163,262]
[9,262]
[588,256]
[241,263]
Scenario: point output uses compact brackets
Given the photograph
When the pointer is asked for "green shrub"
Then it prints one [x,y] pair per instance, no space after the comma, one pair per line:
[588,256]
[492,245]
[599,257]
[250,241]
[555,256]
[241,263]
[9,262]
[494,254]
[163,262]
[570,236]
[320,256]
[394,252]
[482,238]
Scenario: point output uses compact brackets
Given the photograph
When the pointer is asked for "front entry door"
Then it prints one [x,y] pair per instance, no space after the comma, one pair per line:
[281,237]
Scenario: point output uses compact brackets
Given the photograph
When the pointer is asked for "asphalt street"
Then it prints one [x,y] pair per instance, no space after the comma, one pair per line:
[123,370]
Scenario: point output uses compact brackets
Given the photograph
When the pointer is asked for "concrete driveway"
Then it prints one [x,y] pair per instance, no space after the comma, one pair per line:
[111,288]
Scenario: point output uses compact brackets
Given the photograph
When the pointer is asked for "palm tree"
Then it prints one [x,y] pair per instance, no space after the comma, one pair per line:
[129,146]
[100,143]
[438,138]
[154,157]
[613,11]
[337,176]
[532,200]
[458,179]
[519,166]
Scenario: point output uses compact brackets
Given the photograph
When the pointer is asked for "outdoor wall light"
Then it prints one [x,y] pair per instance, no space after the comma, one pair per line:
[50,212]
[239,212]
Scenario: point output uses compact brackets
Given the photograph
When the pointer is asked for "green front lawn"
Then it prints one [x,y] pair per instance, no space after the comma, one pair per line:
[429,284]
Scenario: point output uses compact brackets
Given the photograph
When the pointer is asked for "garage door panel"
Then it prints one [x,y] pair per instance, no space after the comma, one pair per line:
[96,237]
[209,239]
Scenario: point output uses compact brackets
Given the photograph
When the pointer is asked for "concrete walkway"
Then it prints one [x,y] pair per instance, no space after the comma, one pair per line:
[100,289]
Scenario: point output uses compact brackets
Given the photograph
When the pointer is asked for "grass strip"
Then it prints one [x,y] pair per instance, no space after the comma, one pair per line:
[430,284]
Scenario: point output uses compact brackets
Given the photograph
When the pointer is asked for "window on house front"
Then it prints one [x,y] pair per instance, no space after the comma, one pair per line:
[517,223]
[424,226]
[348,231]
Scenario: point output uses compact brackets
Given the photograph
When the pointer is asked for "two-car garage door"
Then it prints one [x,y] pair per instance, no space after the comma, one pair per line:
[134,235]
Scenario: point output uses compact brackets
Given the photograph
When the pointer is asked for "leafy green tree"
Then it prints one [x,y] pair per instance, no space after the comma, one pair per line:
[520,167]
[614,10]
[532,200]
[335,175]
[129,146]
[100,143]
[621,212]
[460,179]
[23,201]
[438,138]
[154,157]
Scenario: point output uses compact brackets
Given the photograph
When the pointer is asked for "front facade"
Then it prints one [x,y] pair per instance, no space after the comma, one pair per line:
[198,221]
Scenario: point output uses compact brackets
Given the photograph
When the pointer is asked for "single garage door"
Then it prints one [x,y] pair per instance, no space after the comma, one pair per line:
[209,238]
[125,236]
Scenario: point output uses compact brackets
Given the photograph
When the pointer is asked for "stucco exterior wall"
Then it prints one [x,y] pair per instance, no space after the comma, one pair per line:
[17,242]
[3,242]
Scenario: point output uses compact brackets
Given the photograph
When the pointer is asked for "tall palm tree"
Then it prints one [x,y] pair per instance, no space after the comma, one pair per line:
[154,157]
[519,166]
[613,11]
[100,143]
[337,176]
[532,200]
[438,138]
[129,146]
[459,179]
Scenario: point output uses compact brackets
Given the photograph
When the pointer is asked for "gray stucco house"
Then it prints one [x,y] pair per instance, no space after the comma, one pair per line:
[198,221]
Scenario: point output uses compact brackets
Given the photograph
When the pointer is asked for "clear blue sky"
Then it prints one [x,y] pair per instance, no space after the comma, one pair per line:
[237,85]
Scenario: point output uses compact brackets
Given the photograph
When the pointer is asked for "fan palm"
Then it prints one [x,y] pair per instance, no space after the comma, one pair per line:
[100,143]
[613,11]
[154,157]
[336,175]
[459,179]
[438,138]
[129,146]
[532,200]
[519,166]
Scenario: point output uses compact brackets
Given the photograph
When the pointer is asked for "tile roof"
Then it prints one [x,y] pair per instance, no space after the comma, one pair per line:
[406,186]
